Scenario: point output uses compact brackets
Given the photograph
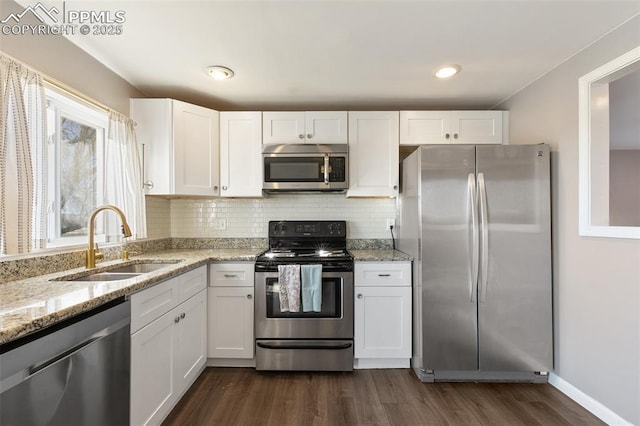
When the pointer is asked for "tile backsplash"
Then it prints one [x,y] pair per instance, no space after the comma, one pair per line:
[247,218]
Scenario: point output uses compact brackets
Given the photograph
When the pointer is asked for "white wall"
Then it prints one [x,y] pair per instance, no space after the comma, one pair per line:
[596,280]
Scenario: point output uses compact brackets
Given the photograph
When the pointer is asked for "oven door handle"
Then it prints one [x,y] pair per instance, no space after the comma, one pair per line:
[304,345]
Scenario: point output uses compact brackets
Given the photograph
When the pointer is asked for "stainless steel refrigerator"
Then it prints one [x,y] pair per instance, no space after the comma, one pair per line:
[476,219]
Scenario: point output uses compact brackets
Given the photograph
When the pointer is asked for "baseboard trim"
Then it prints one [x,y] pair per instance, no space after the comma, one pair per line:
[374,363]
[596,408]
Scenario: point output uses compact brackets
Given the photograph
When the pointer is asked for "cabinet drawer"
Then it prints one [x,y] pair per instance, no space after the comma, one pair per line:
[152,303]
[231,274]
[192,282]
[382,274]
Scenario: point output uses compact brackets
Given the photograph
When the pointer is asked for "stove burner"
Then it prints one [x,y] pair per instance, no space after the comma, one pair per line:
[279,253]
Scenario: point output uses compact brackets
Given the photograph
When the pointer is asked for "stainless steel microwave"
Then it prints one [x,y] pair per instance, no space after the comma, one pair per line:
[305,167]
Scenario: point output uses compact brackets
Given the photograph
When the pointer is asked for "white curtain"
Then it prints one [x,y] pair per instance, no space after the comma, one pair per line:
[22,147]
[123,173]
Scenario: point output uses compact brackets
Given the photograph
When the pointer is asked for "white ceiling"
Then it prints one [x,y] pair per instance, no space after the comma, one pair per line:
[345,54]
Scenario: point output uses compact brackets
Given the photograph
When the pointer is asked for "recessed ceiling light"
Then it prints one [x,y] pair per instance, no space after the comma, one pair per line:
[218,72]
[447,71]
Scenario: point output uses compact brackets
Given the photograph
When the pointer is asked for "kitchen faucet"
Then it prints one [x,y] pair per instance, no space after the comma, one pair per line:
[92,253]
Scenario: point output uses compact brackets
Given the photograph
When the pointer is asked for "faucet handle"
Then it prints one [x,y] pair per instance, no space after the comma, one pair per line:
[126,254]
[98,254]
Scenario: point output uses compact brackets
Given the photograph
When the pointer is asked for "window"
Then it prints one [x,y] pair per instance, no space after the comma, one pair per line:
[75,169]
[609,149]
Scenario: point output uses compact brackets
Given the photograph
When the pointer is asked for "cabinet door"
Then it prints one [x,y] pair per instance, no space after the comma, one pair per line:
[476,127]
[241,154]
[191,345]
[152,365]
[425,127]
[382,322]
[230,322]
[326,127]
[154,131]
[195,133]
[282,127]
[373,154]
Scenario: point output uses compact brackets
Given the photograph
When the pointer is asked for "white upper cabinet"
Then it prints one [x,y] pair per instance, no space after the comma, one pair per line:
[240,154]
[324,127]
[180,146]
[454,127]
[373,154]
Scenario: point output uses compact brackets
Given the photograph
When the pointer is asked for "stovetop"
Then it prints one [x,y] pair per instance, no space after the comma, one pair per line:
[304,242]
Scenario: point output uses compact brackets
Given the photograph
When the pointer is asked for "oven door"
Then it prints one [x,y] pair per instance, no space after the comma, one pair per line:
[334,321]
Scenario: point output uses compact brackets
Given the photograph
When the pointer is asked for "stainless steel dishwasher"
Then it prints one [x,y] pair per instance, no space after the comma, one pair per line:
[73,373]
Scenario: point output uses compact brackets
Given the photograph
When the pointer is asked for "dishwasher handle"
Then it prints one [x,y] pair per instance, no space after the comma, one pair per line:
[34,369]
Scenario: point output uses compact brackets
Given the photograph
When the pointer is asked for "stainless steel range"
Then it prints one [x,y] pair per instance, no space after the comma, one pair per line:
[304,298]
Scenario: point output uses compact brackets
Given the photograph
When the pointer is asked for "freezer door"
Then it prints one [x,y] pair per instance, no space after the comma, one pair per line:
[449,306]
[514,310]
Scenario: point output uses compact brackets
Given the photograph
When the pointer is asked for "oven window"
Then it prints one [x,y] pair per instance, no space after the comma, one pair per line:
[293,169]
[331,301]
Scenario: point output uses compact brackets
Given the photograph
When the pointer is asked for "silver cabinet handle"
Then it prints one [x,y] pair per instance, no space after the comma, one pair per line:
[224,188]
[309,135]
[301,136]
[182,315]
[230,275]
[384,275]
[148,184]
[249,296]
[359,295]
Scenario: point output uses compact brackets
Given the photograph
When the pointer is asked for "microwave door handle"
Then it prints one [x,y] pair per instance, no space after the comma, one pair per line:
[326,169]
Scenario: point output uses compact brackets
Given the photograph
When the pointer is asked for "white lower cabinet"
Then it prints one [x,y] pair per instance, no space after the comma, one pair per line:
[152,379]
[168,352]
[382,314]
[230,314]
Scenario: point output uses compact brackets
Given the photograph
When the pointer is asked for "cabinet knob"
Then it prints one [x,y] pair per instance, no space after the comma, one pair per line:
[301,136]
[215,188]
[176,320]
[447,135]
[455,136]
[309,135]
[182,315]
[249,296]
[224,188]
[359,295]
[147,185]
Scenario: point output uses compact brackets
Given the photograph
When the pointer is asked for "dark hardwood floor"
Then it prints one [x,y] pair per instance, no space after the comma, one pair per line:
[243,396]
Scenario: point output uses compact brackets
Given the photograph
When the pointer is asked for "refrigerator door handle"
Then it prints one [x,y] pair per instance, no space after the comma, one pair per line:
[484,225]
[475,243]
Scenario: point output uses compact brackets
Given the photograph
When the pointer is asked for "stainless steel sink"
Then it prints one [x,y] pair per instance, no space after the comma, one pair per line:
[118,273]
[105,276]
[140,268]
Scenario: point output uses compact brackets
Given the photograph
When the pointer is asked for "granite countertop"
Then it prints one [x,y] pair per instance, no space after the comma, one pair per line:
[380,256]
[32,304]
